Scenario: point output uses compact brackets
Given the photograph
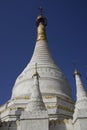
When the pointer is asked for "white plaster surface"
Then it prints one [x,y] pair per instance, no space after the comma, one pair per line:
[52,79]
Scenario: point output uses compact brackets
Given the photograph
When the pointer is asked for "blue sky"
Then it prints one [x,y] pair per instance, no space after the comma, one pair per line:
[66,32]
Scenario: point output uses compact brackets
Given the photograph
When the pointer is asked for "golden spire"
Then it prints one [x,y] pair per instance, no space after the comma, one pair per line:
[41,23]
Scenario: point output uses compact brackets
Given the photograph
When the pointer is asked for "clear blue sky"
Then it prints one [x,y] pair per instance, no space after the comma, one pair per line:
[66,32]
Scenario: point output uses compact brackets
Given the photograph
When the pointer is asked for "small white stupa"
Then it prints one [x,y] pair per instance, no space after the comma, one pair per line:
[36,103]
[80,113]
[35,116]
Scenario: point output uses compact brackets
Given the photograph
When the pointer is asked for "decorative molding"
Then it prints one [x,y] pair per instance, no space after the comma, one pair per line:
[60,107]
[12,108]
[25,97]
[49,97]
[55,96]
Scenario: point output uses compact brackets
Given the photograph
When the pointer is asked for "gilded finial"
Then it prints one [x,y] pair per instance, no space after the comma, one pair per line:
[41,23]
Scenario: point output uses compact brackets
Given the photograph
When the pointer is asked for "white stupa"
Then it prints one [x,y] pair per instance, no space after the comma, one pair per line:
[52,81]
[80,113]
[44,103]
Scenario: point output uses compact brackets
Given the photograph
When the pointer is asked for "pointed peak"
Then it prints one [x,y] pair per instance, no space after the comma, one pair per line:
[41,19]
[81,93]
[41,10]
[76,72]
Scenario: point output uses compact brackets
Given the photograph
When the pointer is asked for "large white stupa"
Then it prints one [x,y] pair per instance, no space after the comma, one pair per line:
[41,96]
[52,80]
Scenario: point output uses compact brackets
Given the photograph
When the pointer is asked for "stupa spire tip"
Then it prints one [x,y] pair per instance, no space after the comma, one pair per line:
[41,10]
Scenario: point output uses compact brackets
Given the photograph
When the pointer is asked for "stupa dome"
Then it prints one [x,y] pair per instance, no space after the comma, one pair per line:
[52,81]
